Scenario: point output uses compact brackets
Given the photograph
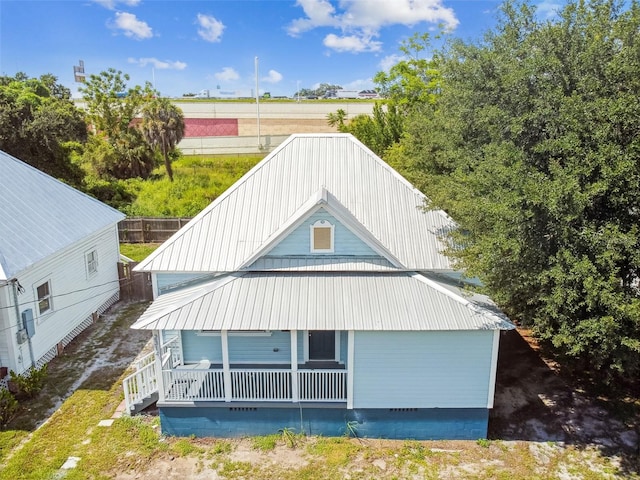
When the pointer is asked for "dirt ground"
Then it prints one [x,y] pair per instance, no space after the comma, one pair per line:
[535,409]
[533,404]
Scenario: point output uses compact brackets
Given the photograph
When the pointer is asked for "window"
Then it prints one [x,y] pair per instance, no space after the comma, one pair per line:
[92,262]
[322,237]
[44,297]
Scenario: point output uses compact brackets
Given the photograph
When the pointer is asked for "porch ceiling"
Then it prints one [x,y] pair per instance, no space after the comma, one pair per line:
[319,301]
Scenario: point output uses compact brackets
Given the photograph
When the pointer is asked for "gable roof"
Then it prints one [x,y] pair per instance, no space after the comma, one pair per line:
[41,216]
[398,301]
[247,218]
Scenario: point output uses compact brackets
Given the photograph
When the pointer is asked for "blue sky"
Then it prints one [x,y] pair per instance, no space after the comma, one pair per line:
[183,46]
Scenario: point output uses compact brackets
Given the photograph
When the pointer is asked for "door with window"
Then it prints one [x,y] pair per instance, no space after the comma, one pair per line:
[322,345]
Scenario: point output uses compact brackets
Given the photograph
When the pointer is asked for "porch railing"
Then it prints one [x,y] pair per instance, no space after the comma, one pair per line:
[140,385]
[259,385]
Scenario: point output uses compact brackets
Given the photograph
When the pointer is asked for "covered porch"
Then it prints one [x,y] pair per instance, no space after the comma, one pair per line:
[315,373]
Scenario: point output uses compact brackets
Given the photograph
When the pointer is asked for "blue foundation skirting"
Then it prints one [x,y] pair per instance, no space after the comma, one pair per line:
[403,423]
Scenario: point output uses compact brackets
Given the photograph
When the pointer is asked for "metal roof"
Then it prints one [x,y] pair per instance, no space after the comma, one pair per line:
[248,216]
[41,216]
[319,301]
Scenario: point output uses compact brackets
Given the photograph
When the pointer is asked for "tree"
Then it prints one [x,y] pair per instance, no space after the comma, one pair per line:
[162,127]
[533,147]
[37,124]
[118,149]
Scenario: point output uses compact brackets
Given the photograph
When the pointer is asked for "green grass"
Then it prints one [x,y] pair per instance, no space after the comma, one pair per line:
[137,251]
[198,180]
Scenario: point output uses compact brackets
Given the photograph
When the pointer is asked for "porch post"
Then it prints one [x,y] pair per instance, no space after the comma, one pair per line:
[226,370]
[350,366]
[157,343]
[294,366]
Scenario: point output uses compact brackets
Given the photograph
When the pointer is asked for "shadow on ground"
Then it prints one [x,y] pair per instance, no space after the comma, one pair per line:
[534,403]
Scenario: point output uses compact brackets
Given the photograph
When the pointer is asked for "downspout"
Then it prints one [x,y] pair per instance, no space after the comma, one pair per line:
[14,283]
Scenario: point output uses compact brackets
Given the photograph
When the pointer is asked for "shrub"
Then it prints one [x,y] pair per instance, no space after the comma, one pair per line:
[31,382]
[8,406]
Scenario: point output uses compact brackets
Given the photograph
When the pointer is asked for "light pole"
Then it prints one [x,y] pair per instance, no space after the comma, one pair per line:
[258,105]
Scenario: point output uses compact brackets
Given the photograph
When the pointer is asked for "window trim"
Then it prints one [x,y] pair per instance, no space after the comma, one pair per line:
[322,224]
[48,297]
[88,263]
[235,333]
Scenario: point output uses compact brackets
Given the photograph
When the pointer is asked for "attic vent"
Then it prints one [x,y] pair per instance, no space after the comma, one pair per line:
[322,237]
[403,409]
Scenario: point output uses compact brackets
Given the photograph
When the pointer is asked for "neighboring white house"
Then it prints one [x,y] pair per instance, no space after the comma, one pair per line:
[58,263]
[314,295]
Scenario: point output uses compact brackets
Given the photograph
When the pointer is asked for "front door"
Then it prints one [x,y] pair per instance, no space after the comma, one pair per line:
[322,345]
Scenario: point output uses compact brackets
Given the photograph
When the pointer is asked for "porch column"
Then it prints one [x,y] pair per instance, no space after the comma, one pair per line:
[351,357]
[157,344]
[226,370]
[294,366]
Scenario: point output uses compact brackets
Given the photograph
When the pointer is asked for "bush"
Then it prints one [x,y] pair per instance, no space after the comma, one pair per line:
[8,406]
[31,382]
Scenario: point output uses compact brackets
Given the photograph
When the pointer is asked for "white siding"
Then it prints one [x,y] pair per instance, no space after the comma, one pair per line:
[75,294]
[446,369]
[7,326]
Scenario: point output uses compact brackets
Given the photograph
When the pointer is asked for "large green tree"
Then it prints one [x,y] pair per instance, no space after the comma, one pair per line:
[39,124]
[118,149]
[162,127]
[534,149]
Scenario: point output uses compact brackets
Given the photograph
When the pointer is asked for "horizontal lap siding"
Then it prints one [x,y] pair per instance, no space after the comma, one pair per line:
[75,296]
[201,347]
[260,349]
[298,242]
[422,369]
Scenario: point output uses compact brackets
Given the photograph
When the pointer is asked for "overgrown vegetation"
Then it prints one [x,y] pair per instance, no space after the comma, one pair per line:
[29,383]
[530,140]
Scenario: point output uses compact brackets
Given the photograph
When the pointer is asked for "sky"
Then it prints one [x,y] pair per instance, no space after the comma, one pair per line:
[185,46]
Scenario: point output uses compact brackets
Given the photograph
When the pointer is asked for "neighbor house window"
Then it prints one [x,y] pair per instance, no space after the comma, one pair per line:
[321,237]
[92,262]
[44,297]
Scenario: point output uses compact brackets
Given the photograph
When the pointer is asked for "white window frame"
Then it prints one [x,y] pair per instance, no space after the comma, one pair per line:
[235,333]
[305,346]
[321,224]
[91,263]
[48,297]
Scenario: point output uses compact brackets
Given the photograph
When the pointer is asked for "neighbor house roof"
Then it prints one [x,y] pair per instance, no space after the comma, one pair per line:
[400,301]
[40,216]
[334,170]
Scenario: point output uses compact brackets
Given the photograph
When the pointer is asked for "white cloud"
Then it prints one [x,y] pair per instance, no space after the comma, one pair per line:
[210,28]
[131,26]
[362,84]
[389,61]
[351,43]
[227,74]
[273,77]
[159,64]
[548,9]
[359,20]
[111,4]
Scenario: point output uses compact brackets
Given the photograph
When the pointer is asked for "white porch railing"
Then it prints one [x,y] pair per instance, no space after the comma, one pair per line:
[140,385]
[193,384]
[250,385]
[322,385]
[261,385]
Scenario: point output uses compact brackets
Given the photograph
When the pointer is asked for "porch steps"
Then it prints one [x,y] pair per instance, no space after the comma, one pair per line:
[146,402]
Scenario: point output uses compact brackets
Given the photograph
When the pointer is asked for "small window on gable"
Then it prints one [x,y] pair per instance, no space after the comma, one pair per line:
[321,237]
[44,297]
[92,262]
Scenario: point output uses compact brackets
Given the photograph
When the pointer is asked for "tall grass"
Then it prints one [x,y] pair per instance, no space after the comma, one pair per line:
[197,182]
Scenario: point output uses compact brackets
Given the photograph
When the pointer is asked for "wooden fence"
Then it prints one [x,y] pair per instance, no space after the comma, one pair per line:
[134,286]
[149,230]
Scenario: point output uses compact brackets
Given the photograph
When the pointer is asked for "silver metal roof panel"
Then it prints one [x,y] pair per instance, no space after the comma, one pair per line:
[41,216]
[319,301]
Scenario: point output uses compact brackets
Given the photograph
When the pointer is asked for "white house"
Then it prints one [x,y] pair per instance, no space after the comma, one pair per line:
[313,294]
[58,264]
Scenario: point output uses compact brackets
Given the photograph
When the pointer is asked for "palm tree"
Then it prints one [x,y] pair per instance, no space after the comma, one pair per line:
[162,127]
